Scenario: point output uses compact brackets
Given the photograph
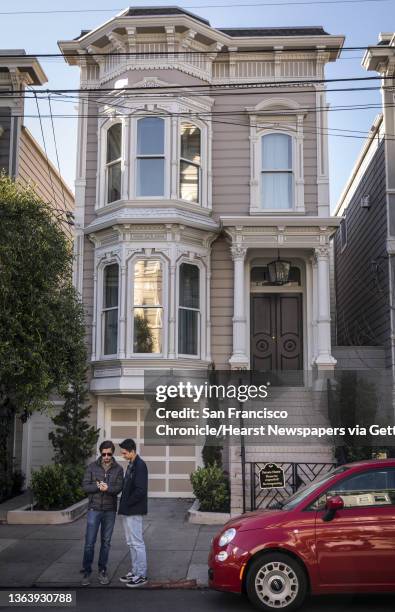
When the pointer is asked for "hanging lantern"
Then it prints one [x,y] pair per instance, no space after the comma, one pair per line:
[279,271]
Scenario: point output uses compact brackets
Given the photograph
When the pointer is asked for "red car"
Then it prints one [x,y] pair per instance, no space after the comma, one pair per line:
[335,535]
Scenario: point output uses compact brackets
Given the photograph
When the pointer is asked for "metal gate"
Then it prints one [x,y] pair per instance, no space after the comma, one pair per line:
[295,476]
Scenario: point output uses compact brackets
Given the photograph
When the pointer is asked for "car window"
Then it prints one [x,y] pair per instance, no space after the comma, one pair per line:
[305,491]
[371,488]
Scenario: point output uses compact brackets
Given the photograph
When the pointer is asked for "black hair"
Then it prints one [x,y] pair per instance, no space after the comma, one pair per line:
[107,444]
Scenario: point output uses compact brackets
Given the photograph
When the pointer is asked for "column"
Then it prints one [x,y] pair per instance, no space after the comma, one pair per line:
[324,359]
[239,357]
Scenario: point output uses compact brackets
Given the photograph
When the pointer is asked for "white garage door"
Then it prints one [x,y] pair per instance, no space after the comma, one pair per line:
[169,467]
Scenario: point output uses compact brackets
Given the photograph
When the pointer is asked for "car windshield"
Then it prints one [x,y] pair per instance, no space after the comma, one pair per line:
[305,491]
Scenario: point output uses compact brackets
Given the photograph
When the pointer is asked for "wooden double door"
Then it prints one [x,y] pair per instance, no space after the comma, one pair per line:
[276,331]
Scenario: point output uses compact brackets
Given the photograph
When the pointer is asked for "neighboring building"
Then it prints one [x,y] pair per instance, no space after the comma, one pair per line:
[364,244]
[183,197]
[24,160]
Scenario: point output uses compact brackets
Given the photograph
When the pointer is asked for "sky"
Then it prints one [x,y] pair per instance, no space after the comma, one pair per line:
[359,21]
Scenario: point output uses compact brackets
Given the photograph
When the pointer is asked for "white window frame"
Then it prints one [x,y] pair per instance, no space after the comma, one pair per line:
[203,296]
[101,183]
[165,156]
[290,170]
[276,116]
[98,323]
[104,309]
[199,166]
[343,231]
[131,306]
[198,310]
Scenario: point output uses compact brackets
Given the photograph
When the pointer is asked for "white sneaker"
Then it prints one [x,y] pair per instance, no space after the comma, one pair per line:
[129,576]
[137,581]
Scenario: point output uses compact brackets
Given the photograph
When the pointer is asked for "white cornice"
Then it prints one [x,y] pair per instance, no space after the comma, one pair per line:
[279,221]
[144,215]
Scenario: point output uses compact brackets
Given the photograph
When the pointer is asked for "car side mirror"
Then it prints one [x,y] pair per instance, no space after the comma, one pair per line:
[332,505]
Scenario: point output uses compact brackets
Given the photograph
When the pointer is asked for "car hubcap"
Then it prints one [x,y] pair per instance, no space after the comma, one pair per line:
[276,584]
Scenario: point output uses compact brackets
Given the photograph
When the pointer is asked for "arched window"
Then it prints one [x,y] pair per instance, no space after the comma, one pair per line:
[113,162]
[188,310]
[147,306]
[190,163]
[150,157]
[277,172]
[110,309]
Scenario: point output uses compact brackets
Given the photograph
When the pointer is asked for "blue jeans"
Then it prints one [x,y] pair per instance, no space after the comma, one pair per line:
[133,527]
[95,519]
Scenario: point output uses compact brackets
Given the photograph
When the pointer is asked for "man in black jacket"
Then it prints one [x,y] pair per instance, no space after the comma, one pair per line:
[132,507]
[103,480]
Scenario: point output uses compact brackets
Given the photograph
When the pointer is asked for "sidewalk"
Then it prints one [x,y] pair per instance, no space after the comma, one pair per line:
[50,555]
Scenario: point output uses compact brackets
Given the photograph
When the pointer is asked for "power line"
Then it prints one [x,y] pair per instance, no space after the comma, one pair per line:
[196,6]
[189,52]
[56,151]
[45,150]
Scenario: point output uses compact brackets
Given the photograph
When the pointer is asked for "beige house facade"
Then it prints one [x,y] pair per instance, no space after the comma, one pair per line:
[202,157]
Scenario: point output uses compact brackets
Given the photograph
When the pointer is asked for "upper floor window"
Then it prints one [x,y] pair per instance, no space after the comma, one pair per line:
[190,163]
[113,162]
[277,172]
[150,157]
[188,310]
[147,306]
[110,309]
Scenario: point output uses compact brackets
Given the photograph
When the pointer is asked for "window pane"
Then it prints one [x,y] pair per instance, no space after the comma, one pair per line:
[276,190]
[189,286]
[147,330]
[188,325]
[147,283]
[190,142]
[114,142]
[111,332]
[151,136]
[189,182]
[110,298]
[150,177]
[114,182]
[276,152]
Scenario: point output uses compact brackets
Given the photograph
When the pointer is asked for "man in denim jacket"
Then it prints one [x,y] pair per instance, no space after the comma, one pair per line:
[103,480]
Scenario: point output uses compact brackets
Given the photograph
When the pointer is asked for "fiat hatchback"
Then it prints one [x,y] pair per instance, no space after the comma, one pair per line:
[335,535]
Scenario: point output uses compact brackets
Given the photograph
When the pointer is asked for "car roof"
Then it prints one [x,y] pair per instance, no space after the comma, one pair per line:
[371,463]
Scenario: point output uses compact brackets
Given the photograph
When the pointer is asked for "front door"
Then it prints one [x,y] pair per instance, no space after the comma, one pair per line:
[276,331]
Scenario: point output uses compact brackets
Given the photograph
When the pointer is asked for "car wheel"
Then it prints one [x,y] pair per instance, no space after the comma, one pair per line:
[276,581]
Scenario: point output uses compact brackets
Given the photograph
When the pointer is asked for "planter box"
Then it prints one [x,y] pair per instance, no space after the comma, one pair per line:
[198,517]
[24,516]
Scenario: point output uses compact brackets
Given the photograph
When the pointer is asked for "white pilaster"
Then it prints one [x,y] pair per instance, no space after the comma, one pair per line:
[324,359]
[239,357]
[122,311]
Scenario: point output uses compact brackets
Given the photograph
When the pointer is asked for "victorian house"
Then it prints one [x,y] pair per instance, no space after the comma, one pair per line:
[202,159]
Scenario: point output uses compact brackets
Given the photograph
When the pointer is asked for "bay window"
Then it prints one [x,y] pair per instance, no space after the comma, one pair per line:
[150,157]
[113,162]
[190,163]
[110,309]
[277,181]
[147,306]
[188,309]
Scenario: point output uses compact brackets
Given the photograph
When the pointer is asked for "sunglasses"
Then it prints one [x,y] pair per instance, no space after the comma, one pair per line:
[106,454]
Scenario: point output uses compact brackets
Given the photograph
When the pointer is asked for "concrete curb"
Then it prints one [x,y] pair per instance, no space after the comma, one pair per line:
[197,517]
[24,516]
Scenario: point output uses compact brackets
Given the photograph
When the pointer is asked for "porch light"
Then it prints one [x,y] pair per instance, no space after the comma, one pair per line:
[279,270]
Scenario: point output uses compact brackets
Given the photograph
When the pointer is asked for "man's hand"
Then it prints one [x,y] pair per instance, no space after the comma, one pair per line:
[103,486]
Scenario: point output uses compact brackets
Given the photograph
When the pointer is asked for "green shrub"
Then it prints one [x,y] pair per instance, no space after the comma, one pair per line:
[211,487]
[56,487]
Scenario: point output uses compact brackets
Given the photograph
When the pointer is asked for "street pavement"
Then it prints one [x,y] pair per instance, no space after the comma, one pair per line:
[123,600]
[50,555]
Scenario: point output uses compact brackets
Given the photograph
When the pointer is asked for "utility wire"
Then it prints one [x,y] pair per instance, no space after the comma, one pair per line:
[194,6]
[69,216]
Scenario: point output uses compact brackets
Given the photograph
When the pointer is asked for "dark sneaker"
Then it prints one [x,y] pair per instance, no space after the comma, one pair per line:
[103,578]
[128,577]
[137,581]
[85,580]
